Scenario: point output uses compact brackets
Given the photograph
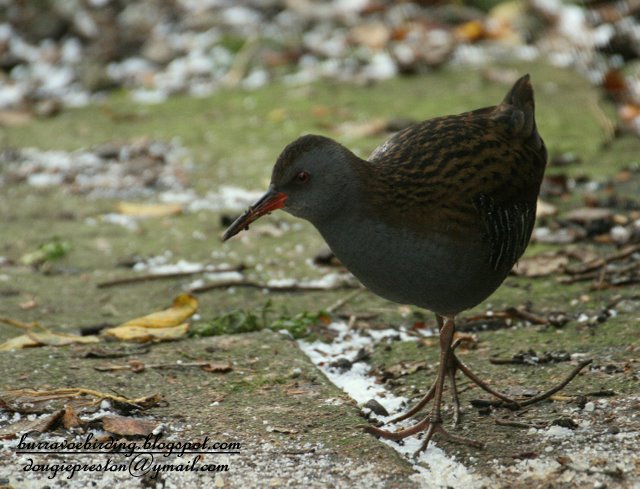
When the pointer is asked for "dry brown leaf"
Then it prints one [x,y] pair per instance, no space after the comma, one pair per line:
[471,31]
[30,400]
[41,425]
[19,324]
[374,35]
[30,303]
[467,340]
[281,429]
[217,367]
[403,368]
[45,338]
[295,392]
[60,339]
[69,418]
[137,366]
[541,265]
[14,118]
[372,127]
[545,209]
[38,335]
[136,209]
[124,426]
[586,215]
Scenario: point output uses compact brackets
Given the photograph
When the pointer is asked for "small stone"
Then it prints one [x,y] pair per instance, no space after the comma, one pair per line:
[565,423]
[342,364]
[376,407]
[590,407]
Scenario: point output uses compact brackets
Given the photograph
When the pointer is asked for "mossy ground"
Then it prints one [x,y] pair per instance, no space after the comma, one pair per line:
[234,136]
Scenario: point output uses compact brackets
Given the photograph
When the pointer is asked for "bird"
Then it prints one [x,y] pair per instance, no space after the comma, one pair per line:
[436,217]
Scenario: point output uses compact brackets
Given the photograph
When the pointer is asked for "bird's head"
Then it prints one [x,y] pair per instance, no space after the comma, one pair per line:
[312,179]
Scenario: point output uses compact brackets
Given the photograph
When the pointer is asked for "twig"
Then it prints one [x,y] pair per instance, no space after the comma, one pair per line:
[599,262]
[608,127]
[526,315]
[19,324]
[160,366]
[163,276]
[519,424]
[241,62]
[271,288]
[558,387]
[338,304]
[533,400]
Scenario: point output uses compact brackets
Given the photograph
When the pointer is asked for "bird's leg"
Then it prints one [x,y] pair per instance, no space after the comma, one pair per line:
[451,373]
[432,423]
[445,368]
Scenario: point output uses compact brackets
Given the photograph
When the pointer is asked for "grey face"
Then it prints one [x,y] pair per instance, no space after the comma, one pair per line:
[312,179]
[316,175]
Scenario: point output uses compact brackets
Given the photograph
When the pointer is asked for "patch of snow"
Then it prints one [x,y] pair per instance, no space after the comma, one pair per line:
[434,468]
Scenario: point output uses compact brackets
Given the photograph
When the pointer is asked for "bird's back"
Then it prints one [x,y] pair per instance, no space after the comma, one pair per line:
[475,174]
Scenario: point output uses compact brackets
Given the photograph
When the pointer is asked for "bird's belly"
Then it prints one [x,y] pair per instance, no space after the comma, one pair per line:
[435,272]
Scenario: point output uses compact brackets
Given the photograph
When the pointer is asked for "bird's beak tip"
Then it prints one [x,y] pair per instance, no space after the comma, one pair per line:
[270,201]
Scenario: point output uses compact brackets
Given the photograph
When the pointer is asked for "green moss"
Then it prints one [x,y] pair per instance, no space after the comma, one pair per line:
[242,321]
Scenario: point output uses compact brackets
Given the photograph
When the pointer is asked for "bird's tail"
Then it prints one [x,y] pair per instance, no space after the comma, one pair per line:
[520,98]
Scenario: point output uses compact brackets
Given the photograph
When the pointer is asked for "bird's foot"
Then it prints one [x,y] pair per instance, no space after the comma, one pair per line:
[453,365]
[426,426]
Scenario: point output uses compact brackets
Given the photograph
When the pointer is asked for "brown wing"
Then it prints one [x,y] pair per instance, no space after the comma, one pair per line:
[477,174]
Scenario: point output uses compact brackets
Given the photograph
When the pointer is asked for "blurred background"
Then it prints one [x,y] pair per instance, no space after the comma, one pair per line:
[56,54]
[132,133]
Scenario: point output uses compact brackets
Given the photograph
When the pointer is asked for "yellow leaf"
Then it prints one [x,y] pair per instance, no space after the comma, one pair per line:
[33,339]
[60,339]
[162,325]
[142,335]
[184,306]
[135,209]
[18,343]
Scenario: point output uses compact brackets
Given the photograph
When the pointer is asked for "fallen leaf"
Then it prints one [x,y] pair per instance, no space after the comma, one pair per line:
[184,306]
[374,35]
[164,325]
[585,215]
[136,209]
[470,31]
[137,366]
[41,425]
[295,392]
[403,368]
[50,338]
[18,343]
[545,209]
[467,340]
[44,337]
[69,418]
[217,367]
[125,426]
[33,401]
[372,127]
[14,118]
[541,265]
[281,429]
[28,304]
[142,335]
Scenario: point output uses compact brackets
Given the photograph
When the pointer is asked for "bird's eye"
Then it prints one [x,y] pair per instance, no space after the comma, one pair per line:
[302,177]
